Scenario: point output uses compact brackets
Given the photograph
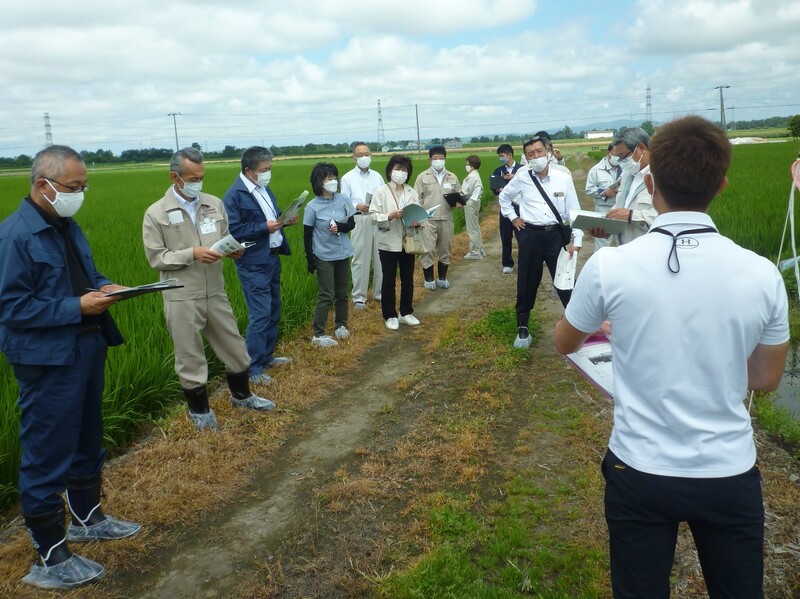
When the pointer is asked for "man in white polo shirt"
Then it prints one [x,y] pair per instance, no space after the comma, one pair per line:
[696,321]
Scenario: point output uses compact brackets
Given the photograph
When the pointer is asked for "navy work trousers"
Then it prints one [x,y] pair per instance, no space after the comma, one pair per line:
[725,515]
[261,285]
[506,238]
[61,426]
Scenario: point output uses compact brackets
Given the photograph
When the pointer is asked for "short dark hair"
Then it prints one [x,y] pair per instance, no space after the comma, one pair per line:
[505,149]
[437,150]
[255,155]
[533,140]
[474,161]
[610,146]
[543,134]
[688,161]
[355,144]
[404,162]
[320,172]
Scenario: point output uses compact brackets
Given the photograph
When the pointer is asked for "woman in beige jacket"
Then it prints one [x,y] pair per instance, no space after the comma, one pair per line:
[386,213]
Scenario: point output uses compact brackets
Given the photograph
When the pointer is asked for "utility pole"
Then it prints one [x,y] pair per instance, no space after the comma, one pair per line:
[175,125]
[722,106]
[419,143]
[649,115]
[48,134]
[381,135]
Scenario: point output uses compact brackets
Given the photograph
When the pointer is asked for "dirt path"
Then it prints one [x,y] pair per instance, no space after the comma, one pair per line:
[340,494]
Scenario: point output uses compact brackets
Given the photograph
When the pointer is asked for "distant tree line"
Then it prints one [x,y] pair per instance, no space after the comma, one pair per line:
[100,156]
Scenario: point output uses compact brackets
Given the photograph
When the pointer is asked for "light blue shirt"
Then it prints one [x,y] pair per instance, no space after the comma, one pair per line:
[318,214]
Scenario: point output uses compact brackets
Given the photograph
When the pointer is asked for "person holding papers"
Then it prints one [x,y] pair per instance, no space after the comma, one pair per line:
[178,231]
[253,215]
[472,189]
[357,185]
[602,186]
[547,198]
[633,202]
[56,334]
[386,213]
[328,250]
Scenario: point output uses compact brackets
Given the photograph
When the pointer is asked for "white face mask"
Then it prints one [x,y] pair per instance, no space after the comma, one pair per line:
[437,164]
[613,160]
[364,161]
[538,164]
[191,190]
[264,178]
[66,204]
[629,166]
[399,177]
[331,186]
[468,168]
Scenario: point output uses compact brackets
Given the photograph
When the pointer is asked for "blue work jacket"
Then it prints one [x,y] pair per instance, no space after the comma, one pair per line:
[40,315]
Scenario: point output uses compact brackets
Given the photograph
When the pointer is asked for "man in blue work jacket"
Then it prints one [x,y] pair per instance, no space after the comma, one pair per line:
[55,333]
[253,216]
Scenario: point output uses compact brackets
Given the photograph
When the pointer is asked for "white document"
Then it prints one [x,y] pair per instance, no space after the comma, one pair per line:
[594,361]
[565,271]
[433,209]
[228,245]
[586,219]
[293,209]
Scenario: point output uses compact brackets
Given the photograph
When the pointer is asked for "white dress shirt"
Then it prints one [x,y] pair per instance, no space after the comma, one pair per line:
[265,203]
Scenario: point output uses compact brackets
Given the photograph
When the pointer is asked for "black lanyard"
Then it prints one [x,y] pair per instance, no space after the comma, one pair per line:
[547,199]
[674,251]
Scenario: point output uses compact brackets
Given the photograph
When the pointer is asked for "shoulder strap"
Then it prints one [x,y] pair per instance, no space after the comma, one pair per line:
[546,199]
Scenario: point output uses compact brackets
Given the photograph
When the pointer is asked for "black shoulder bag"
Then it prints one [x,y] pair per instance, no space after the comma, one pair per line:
[564,229]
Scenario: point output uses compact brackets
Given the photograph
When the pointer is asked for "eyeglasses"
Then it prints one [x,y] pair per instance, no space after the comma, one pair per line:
[621,158]
[72,188]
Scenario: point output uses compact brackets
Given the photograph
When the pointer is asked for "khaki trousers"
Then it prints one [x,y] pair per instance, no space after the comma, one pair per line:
[188,321]
[471,211]
[437,236]
[365,253]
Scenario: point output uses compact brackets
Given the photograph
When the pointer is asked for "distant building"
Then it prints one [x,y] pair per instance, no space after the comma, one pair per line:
[598,134]
[452,144]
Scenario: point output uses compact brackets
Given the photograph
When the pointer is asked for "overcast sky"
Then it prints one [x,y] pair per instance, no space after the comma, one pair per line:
[298,71]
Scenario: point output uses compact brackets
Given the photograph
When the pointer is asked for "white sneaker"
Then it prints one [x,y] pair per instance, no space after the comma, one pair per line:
[342,332]
[473,256]
[507,270]
[523,340]
[324,341]
[392,324]
[430,285]
[443,284]
[359,306]
[409,319]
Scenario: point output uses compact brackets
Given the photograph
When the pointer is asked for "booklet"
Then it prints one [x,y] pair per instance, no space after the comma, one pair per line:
[228,245]
[142,289]
[455,197]
[586,219]
[594,361]
[414,212]
[293,209]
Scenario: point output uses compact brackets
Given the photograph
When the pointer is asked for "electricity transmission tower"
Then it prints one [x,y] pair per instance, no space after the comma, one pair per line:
[48,133]
[381,134]
[722,106]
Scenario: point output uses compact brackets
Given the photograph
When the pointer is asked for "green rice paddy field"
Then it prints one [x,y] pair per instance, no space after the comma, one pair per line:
[140,382]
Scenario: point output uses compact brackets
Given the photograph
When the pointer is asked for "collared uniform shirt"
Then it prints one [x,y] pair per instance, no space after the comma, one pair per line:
[532,208]
[601,175]
[357,184]
[265,203]
[680,343]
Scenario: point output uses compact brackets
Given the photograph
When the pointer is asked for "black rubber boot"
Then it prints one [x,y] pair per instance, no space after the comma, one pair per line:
[239,384]
[83,499]
[49,535]
[197,399]
[428,274]
[442,271]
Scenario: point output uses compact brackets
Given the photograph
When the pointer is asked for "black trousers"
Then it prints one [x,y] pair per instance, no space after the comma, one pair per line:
[536,247]
[506,237]
[725,515]
[390,261]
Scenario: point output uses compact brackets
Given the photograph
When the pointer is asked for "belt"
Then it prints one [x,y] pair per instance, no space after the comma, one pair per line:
[90,329]
[546,228]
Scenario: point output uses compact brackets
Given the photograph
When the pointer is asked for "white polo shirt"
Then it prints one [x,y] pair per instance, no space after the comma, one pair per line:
[680,343]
